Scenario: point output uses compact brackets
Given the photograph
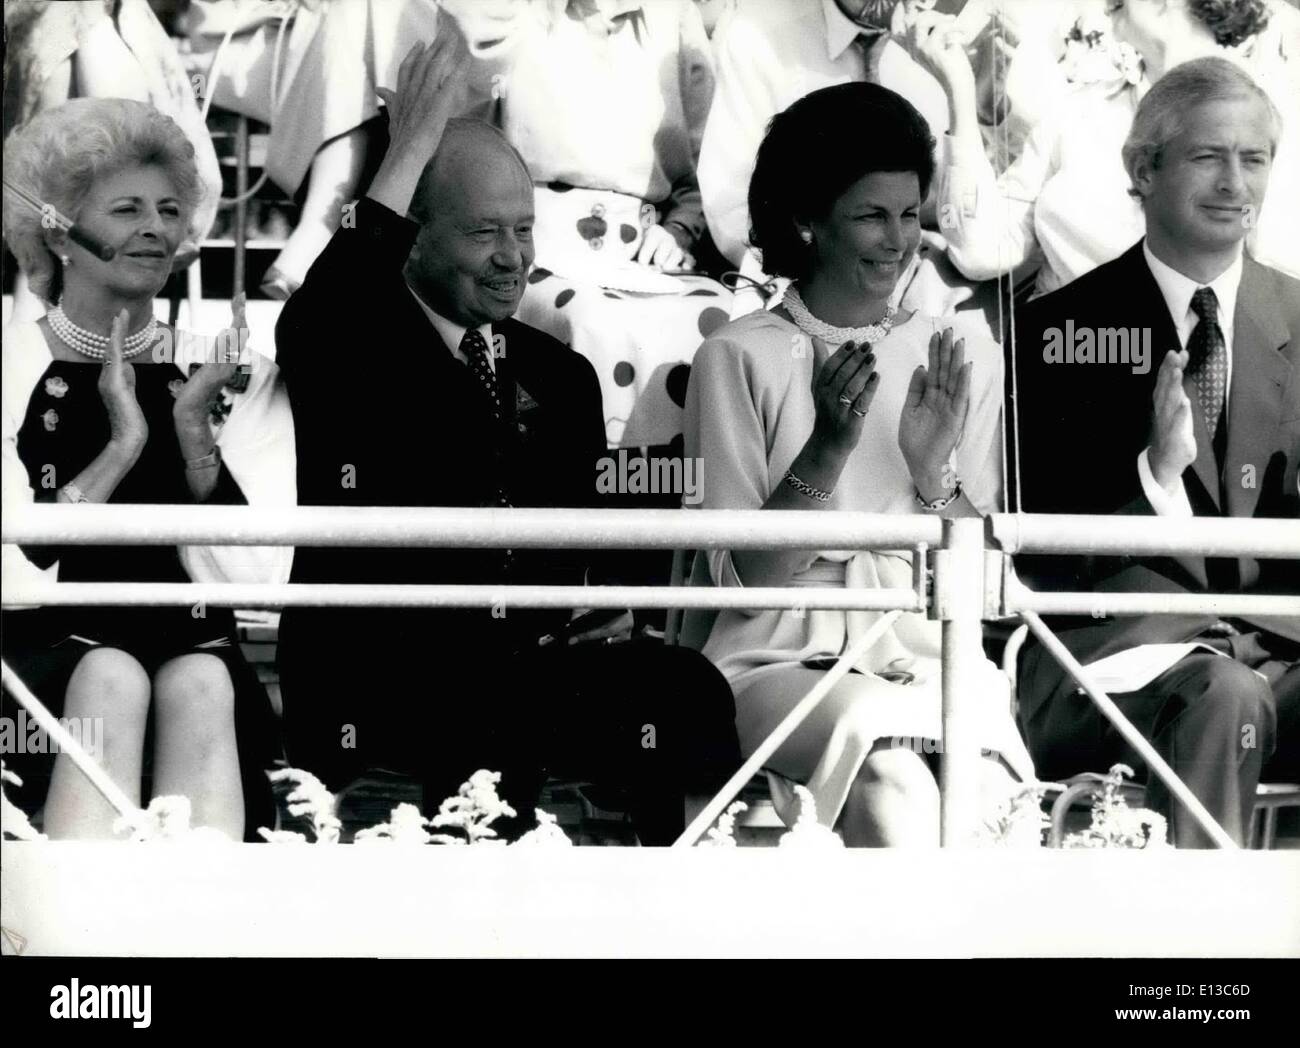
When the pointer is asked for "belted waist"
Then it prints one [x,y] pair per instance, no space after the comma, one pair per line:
[821,572]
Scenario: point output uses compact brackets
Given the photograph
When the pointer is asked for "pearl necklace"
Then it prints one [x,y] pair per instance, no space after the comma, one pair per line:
[89,344]
[830,334]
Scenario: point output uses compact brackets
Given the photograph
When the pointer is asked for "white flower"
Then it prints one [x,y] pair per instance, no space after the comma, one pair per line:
[13,820]
[547,834]
[168,819]
[310,797]
[56,386]
[807,832]
[723,835]
[1115,824]
[281,836]
[405,825]
[474,808]
[1018,821]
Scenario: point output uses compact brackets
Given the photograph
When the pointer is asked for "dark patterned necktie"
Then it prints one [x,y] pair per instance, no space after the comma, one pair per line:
[864,42]
[1207,358]
[476,351]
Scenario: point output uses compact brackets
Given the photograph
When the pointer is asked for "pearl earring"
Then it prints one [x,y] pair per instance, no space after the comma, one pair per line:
[65,259]
[805,235]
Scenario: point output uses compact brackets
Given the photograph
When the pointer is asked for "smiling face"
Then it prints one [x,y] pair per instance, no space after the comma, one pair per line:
[137,211]
[869,236]
[475,247]
[1205,193]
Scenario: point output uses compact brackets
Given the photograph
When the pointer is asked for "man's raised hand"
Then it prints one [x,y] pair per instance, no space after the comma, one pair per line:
[1173,441]
[432,84]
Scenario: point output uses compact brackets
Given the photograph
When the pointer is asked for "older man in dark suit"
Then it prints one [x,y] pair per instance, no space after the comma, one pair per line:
[1168,382]
[412,386]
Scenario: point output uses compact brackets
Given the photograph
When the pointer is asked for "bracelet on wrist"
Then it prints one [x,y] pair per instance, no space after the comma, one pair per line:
[804,488]
[941,503]
[74,494]
[213,458]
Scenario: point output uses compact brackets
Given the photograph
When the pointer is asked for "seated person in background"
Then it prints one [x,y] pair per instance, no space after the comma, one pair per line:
[412,385]
[606,102]
[93,49]
[1203,420]
[309,69]
[1062,207]
[97,408]
[770,54]
[835,401]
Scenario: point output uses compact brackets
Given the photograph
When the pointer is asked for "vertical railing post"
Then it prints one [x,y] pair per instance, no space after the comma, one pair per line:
[959,605]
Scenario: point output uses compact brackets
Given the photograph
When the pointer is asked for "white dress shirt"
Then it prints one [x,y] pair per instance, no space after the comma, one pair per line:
[1177,291]
[451,333]
[770,53]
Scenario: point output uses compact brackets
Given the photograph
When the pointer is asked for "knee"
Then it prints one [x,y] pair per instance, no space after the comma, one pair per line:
[901,773]
[109,678]
[196,690]
[1234,695]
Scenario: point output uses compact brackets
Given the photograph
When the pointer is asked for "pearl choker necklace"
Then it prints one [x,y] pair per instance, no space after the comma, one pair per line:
[89,344]
[830,334]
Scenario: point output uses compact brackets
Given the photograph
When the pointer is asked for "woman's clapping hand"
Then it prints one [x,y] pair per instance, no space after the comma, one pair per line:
[934,413]
[843,388]
[126,422]
[659,248]
[201,394]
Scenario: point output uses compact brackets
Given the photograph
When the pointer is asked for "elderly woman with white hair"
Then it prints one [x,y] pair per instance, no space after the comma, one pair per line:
[101,403]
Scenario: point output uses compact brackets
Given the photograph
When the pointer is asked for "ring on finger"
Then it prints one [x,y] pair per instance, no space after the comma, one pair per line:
[860,414]
[846,401]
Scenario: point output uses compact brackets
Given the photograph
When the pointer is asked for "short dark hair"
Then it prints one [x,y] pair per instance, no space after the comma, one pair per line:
[816,149]
[1231,21]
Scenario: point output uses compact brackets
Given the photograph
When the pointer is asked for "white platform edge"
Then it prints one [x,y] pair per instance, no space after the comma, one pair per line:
[91,899]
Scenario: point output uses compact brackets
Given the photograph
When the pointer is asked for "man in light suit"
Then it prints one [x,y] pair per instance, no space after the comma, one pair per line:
[1200,417]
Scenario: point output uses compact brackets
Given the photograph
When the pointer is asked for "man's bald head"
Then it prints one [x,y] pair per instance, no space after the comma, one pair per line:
[467,148]
[474,204]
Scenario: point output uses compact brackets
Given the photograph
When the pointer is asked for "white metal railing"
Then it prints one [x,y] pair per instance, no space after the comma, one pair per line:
[965,589]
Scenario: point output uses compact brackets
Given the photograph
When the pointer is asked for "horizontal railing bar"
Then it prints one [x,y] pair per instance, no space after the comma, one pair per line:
[463,527]
[331,595]
[1271,538]
[1099,604]
[485,528]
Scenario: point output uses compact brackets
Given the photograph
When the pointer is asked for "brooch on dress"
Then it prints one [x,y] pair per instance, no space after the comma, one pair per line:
[51,419]
[56,386]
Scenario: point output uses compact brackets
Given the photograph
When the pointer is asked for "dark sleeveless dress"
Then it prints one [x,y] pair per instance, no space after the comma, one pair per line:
[65,428]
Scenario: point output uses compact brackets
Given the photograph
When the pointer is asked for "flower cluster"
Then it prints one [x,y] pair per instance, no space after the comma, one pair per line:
[472,811]
[167,819]
[723,835]
[13,820]
[1115,824]
[404,826]
[807,833]
[1018,821]
[309,798]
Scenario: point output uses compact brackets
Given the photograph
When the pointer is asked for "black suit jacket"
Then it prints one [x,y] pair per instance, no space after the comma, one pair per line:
[1082,427]
[385,415]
